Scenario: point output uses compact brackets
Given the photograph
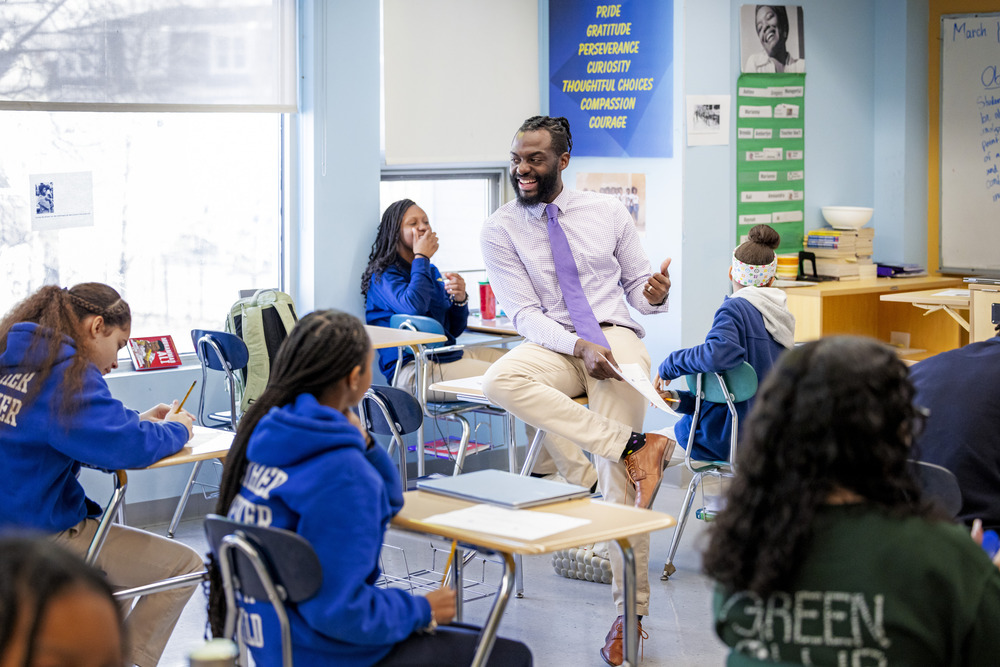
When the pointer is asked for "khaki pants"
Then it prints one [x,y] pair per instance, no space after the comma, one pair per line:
[557,454]
[537,386]
[132,557]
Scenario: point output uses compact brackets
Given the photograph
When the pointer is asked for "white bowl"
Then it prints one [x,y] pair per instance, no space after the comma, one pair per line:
[847,217]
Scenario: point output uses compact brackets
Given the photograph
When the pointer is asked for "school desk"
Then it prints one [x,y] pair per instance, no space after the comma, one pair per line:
[383,337]
[206,443]
[949,301]
[471,389]
[606,522]
[982,296]
[502,326]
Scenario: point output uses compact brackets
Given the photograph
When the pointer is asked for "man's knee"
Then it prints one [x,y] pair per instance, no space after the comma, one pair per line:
[499,384]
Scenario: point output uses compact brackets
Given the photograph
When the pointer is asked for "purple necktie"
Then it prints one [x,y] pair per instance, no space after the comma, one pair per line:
[586,324]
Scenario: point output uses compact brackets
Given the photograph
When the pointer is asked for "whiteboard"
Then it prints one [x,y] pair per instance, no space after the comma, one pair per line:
[970,143]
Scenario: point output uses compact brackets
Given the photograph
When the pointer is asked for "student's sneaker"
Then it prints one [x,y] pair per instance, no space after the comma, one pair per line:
[589,563]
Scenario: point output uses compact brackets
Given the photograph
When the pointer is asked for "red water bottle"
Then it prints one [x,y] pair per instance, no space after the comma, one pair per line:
[487,302]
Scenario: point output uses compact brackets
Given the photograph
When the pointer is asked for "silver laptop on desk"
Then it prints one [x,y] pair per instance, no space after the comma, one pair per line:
[503,488]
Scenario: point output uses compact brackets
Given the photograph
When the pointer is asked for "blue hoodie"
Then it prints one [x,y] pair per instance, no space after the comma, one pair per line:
[308,471]
[747,327]
[413,290]
[41,450]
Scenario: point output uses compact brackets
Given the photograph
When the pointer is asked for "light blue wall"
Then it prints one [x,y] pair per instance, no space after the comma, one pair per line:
[865,124]
[866,128]
[339,164]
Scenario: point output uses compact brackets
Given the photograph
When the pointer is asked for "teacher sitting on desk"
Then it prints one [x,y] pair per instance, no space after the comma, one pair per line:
[56,414]
[400,279]
[563,262]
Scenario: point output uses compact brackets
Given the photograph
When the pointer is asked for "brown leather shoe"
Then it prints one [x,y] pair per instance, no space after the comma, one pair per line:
[612,652]
[645,467]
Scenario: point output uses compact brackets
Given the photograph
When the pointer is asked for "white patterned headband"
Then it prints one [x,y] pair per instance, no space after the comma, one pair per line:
[756,275]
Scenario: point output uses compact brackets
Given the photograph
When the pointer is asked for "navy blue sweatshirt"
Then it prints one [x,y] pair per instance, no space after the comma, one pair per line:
[413,290]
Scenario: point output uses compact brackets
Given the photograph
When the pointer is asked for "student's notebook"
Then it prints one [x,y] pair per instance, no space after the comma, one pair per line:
[503,488]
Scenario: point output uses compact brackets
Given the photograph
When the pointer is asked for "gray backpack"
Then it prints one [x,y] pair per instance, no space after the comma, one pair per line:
[262,321]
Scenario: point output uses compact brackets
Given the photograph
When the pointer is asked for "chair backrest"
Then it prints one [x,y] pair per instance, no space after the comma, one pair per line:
[220,351]
[395,412]
[940,486]
[266,564]
[391,405]
[418,323]
[741,383]
[728,387]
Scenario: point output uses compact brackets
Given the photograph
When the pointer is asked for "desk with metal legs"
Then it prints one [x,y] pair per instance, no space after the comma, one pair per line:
[471,389]
[606,522]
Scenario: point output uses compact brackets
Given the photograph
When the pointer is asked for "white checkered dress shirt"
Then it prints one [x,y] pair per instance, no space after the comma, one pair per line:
[608,255]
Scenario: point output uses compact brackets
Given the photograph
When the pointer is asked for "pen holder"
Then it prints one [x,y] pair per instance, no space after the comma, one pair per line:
[487,301]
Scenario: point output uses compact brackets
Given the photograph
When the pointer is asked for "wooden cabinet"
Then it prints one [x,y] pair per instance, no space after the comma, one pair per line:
[854,307]
[982,298]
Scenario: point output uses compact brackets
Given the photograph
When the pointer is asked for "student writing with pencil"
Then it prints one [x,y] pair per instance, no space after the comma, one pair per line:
[56,414]
[753,325]
[302,461]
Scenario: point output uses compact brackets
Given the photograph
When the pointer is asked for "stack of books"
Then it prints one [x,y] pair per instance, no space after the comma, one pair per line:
[845,254]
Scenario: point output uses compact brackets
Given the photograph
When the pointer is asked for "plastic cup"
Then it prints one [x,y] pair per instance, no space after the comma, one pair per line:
[487,302]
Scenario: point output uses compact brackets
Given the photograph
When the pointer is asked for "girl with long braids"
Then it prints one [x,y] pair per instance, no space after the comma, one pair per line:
[825,553]
[56,414]
[400,279]
[332,485]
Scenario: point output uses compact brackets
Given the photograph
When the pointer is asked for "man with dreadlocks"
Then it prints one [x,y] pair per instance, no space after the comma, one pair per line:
[563,262]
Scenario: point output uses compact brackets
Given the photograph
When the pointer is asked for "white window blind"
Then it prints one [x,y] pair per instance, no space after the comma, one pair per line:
[459,78]
[163,55]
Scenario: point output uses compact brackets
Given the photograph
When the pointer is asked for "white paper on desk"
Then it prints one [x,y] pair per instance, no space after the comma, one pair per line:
[520,524]
[961,293]
[635,376]
[210,440]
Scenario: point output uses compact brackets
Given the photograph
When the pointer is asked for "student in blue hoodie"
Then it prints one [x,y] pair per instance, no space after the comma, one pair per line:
[400,279]
[752,325]
[56,414]
[327,481]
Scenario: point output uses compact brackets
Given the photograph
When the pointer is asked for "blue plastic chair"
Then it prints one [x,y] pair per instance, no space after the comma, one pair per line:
[397,414]
[447,411]
[939,486]
[218,351]
[263,563]
[730,387]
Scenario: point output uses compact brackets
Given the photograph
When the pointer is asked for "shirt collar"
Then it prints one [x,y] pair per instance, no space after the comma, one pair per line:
[538,210]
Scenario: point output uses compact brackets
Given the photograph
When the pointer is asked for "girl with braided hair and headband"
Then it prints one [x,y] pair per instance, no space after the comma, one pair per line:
[57,414]
[752,325]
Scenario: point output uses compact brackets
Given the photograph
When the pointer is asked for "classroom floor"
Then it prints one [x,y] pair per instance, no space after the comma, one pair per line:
[563,621]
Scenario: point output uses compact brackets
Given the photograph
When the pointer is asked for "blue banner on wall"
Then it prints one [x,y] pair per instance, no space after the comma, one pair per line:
[611,75]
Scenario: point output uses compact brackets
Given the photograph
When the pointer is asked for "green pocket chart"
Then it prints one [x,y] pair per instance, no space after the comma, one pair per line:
[770,177]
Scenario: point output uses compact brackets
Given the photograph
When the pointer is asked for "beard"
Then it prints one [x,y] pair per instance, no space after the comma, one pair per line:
[547,186]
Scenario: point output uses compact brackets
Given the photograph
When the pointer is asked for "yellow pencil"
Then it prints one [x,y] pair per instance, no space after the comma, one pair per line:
[447,565]
[186,396]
